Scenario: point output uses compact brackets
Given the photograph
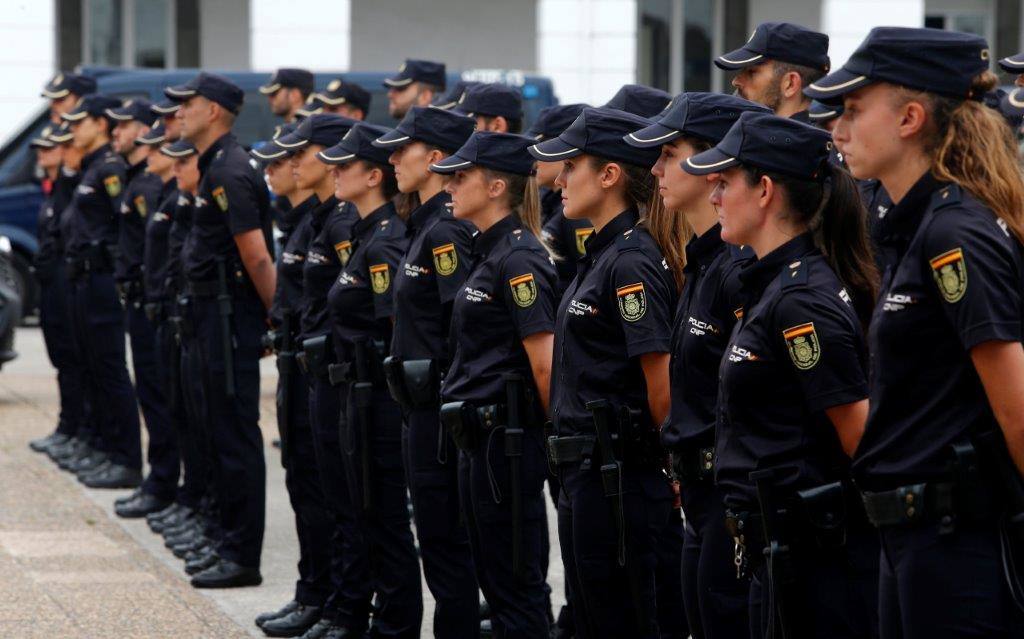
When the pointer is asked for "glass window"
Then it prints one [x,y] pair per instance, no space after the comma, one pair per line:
[104,33]
[653,47]
[698,15]
[151,33]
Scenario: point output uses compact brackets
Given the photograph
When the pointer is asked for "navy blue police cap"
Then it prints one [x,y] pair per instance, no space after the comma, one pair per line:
[706,116]
[43,139]
[166,107]
[179,149]
[94,104]
[286,78]
[267,151]
[782,41]
[138,109]
[639,100]
[339,92]
[504,152]
[451,99]
[1013,64]
[63,84]
[61,134]
[418,71]
[768,142]
[312,106]
[552,120]
[357,145]
[491,99]
[598,132]
[446,130]
[1010,105]
[156,135]
[819,112]
[932,60]
[325,129]
[212,87]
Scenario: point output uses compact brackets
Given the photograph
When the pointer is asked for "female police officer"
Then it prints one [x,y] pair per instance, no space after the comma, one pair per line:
[495,393]
[361,310]
[792,399]
[610,387]
[432,273]
[947,364]
[716,602]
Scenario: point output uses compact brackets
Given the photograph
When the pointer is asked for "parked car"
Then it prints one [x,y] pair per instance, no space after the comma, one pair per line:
[10,302]
[21,195]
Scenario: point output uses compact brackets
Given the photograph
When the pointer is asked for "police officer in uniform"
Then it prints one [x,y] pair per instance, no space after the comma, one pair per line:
[609,390]
[639,100]
[494,395]
[495,107]
[287,91]
[451,99]
[231,280]
[418,83]
[345,98]
[709,306]
[773,68]
[64,91]
[432,274]
[941,455]
[824,115]
[99,317]
[792,397]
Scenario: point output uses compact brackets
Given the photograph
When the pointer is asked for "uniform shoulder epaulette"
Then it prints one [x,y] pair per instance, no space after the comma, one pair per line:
[947,195]
[519,240]
[795,274]
[629,240]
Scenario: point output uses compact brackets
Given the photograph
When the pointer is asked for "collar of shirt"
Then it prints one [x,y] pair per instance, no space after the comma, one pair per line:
[134,170]
[364,226]
[759,273]
[168,187]
[484,243]
[802,116]
[905,217]
[617,226]
[701,250]
[322,210]
[426,210]
[89,158]
[210,153]
[290,218]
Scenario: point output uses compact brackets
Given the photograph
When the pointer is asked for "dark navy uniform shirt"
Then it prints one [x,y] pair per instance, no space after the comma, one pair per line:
[567,238]
[361,298]
[432,274]
[97,202]
[797,350]
[292,263]
[619,307]
[508,296]
[232,199]
[709,308]
[181,227]
[952,280]
[141,197]
[330,248]
[156,255]
[51,245]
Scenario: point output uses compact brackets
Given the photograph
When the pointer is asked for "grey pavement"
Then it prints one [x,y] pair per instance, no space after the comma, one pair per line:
[70,568]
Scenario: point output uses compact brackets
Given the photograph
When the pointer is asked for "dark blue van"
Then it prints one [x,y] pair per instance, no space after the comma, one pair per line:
[21,195]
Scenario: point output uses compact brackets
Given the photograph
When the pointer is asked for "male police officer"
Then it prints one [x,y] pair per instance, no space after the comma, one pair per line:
[287,91]
[495,107]
[344,98]
[418,83]
[64,91]
[166,110]
[231,280]
[776,64]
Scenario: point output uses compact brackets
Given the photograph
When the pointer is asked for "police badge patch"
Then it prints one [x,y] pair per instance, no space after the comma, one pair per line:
[113,185]
[221,198]
[632,301]
[802,342]
[950,273]
[581,240]
[446,260]
[380,278]
[140,204]
[524,290]
[344,251]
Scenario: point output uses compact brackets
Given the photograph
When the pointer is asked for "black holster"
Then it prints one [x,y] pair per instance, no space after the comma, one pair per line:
[459,419]
[225,309]
[285,346]
[413,383]
[611,468]
[317,355]
[823,511]
[778,558]
[515,393]
[362,399]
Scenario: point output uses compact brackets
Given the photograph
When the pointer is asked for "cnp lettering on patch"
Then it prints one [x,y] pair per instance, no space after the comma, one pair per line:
[446,260]
[581,240]
[344,251]
[524,290]
[803,346]
[950,273]
[221,198]
[380,278]
[113,185]
[140,204]
[632,301]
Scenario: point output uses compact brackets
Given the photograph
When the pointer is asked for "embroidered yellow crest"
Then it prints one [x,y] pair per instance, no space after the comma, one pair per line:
[113,185]
[524,290]
[581,240]
[140,205]
[632,301]
[446,260]
[380,278]
[221,198]
[344,251]
[950,273]
[803,345]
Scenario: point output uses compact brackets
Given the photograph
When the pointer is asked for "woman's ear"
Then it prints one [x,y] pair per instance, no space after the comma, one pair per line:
[374,178]
[609,175]
[435,156]
[496,188]
[912,119]
[764,199]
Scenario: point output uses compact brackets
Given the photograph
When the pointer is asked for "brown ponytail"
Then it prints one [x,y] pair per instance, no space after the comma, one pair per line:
[971,146]
[669,230]
[523,198]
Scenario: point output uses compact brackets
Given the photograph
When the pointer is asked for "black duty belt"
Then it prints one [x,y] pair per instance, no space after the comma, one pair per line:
[913,504]
[694,464]
[570,450]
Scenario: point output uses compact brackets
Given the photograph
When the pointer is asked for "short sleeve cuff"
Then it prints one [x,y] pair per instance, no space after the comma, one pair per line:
[990,332]
[536,326]
[649,345]
[838,397]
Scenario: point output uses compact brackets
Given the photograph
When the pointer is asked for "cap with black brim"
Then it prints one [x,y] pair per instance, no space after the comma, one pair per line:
[554,150]
[392,139]
[164,109]
[451,164]
[654,135]
[180,92]
[739,59]
[1013,64]
[711,161]
[357,145]
[178,149]
[832,88]
[269,152]
[44,140]
[155,135]
[61,135]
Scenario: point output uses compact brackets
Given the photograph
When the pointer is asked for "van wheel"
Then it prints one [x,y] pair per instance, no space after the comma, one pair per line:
[25,283]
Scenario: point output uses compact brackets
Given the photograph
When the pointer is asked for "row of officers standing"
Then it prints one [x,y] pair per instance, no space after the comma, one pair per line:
[770,373]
